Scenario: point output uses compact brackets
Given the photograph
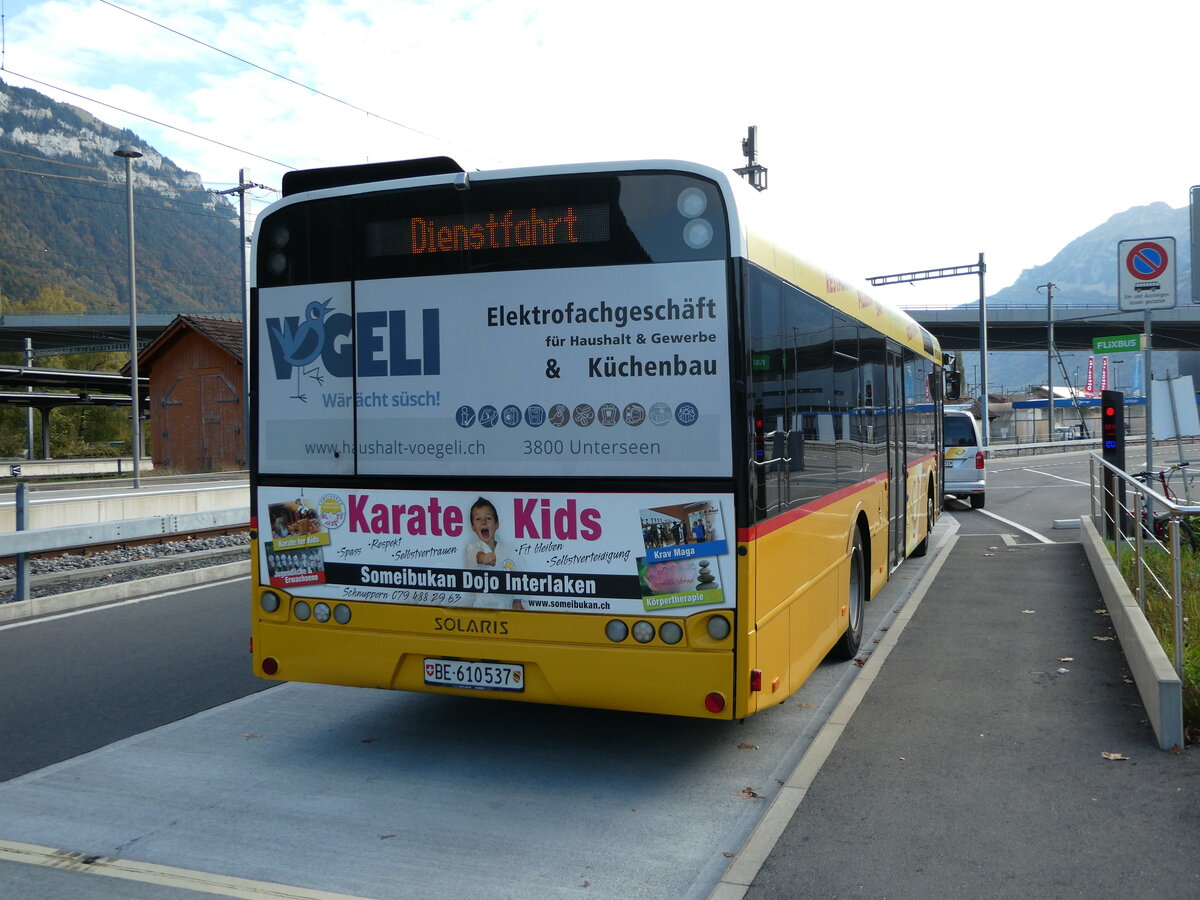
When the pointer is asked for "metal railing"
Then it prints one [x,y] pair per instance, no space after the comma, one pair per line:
[22,542]
[1134,518]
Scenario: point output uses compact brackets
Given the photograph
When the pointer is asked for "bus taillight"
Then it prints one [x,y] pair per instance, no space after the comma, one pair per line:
[714,702]
[270,665]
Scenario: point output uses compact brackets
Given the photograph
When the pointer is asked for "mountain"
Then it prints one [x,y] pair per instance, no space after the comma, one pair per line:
[1085,271]
[63,216]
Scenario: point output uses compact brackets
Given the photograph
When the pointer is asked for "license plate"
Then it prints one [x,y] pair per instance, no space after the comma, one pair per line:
[479,676]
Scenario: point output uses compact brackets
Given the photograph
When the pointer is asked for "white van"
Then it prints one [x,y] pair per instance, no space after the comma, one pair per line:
[965,466]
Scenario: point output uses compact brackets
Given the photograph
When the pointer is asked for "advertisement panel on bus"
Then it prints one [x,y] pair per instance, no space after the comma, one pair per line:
[628,554]
[611,370]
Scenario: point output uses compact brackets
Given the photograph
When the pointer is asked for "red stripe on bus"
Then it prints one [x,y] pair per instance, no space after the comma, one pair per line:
[793,515]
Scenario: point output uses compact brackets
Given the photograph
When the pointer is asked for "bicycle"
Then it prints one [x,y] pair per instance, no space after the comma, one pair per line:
[1159,528]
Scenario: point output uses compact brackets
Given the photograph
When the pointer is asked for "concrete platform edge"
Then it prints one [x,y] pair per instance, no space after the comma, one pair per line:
[1157,683]
[753,854]
[113,593]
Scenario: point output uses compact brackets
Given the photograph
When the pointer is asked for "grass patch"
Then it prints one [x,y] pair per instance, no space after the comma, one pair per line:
[1160,613]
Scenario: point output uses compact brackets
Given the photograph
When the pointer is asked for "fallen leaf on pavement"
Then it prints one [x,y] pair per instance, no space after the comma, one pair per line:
[1066,659]
[749,794]
[1101,637]
[1108,755]
[747,746]
[1029,610]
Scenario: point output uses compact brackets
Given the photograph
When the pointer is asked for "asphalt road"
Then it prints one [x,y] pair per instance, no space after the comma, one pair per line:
[78,681]
[1026,495]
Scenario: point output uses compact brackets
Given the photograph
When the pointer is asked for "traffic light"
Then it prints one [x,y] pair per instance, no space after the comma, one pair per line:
[760,433]
[1112,427]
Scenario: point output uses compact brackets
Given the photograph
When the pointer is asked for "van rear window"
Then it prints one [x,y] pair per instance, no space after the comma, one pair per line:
[957,431]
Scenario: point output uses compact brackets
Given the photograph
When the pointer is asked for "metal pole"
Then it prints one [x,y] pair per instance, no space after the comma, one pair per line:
[22,558]
[129,154]
[1141,509]
[242,185]
[1178,436]
[1049,361]
[1092,487]
[983,351]
[1149,400]
[29,409]
[1177,592]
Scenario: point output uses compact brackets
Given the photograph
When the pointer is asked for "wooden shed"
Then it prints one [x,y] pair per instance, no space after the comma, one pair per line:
[196,412]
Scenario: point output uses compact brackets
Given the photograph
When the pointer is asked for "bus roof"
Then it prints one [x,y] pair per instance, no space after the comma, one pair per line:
[746,240]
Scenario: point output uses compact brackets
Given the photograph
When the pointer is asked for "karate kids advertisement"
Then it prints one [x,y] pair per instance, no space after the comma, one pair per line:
[613,554]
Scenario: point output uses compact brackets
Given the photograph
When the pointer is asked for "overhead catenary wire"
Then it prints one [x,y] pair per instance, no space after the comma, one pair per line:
[282,77]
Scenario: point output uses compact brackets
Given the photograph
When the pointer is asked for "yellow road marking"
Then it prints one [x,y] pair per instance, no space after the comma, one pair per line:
[167,876]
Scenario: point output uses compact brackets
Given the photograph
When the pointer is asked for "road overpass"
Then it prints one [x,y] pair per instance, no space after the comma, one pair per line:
[957,328]
[81,333]
[1024,327]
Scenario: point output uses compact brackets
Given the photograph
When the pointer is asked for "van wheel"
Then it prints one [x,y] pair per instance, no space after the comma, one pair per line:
[977,501]
[848,644]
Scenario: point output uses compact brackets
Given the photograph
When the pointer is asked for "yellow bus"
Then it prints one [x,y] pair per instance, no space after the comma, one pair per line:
[575,435]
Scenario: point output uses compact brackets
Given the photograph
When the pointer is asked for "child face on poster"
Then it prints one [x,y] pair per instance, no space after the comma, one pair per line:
[485,523]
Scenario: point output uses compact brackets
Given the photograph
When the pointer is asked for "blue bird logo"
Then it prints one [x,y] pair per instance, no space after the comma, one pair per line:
[303,345]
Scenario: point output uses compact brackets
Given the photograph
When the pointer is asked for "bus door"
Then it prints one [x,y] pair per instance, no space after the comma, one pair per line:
[897,467]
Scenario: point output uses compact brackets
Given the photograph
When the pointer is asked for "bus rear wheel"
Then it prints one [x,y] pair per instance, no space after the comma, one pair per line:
[922,548]
[848,644]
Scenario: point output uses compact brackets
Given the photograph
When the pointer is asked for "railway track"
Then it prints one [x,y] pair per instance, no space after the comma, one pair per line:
[64,571]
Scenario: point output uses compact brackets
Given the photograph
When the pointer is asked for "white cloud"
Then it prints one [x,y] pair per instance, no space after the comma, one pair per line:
[898,136]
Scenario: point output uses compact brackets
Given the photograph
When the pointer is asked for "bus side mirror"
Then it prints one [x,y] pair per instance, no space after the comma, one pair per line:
[953,386]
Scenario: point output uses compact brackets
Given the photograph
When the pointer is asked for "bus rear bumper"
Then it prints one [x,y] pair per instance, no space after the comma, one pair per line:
[652,679]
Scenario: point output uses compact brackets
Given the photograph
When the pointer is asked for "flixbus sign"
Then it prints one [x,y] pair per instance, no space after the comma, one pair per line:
[1121,343]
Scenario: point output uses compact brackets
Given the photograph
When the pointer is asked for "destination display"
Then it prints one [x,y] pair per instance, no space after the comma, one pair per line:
[499,230]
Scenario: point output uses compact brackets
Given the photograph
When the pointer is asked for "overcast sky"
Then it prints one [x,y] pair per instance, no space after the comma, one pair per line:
[898,135]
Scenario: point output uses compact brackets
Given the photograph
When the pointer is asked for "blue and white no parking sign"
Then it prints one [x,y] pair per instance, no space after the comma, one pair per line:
[1146,274]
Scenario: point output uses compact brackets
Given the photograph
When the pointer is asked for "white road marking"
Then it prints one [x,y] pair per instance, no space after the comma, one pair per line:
[1059,477]
[1033,534]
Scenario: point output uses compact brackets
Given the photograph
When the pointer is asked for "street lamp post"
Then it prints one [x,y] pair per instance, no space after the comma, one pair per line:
[129,153]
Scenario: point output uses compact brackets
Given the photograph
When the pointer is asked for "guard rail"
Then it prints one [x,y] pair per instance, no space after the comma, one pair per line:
[21,543]
[1123,513]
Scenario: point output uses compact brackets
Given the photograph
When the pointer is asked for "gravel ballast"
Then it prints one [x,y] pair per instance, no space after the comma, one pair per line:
[77,571]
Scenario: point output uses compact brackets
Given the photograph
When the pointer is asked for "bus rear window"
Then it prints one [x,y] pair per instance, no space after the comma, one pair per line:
[532,223]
